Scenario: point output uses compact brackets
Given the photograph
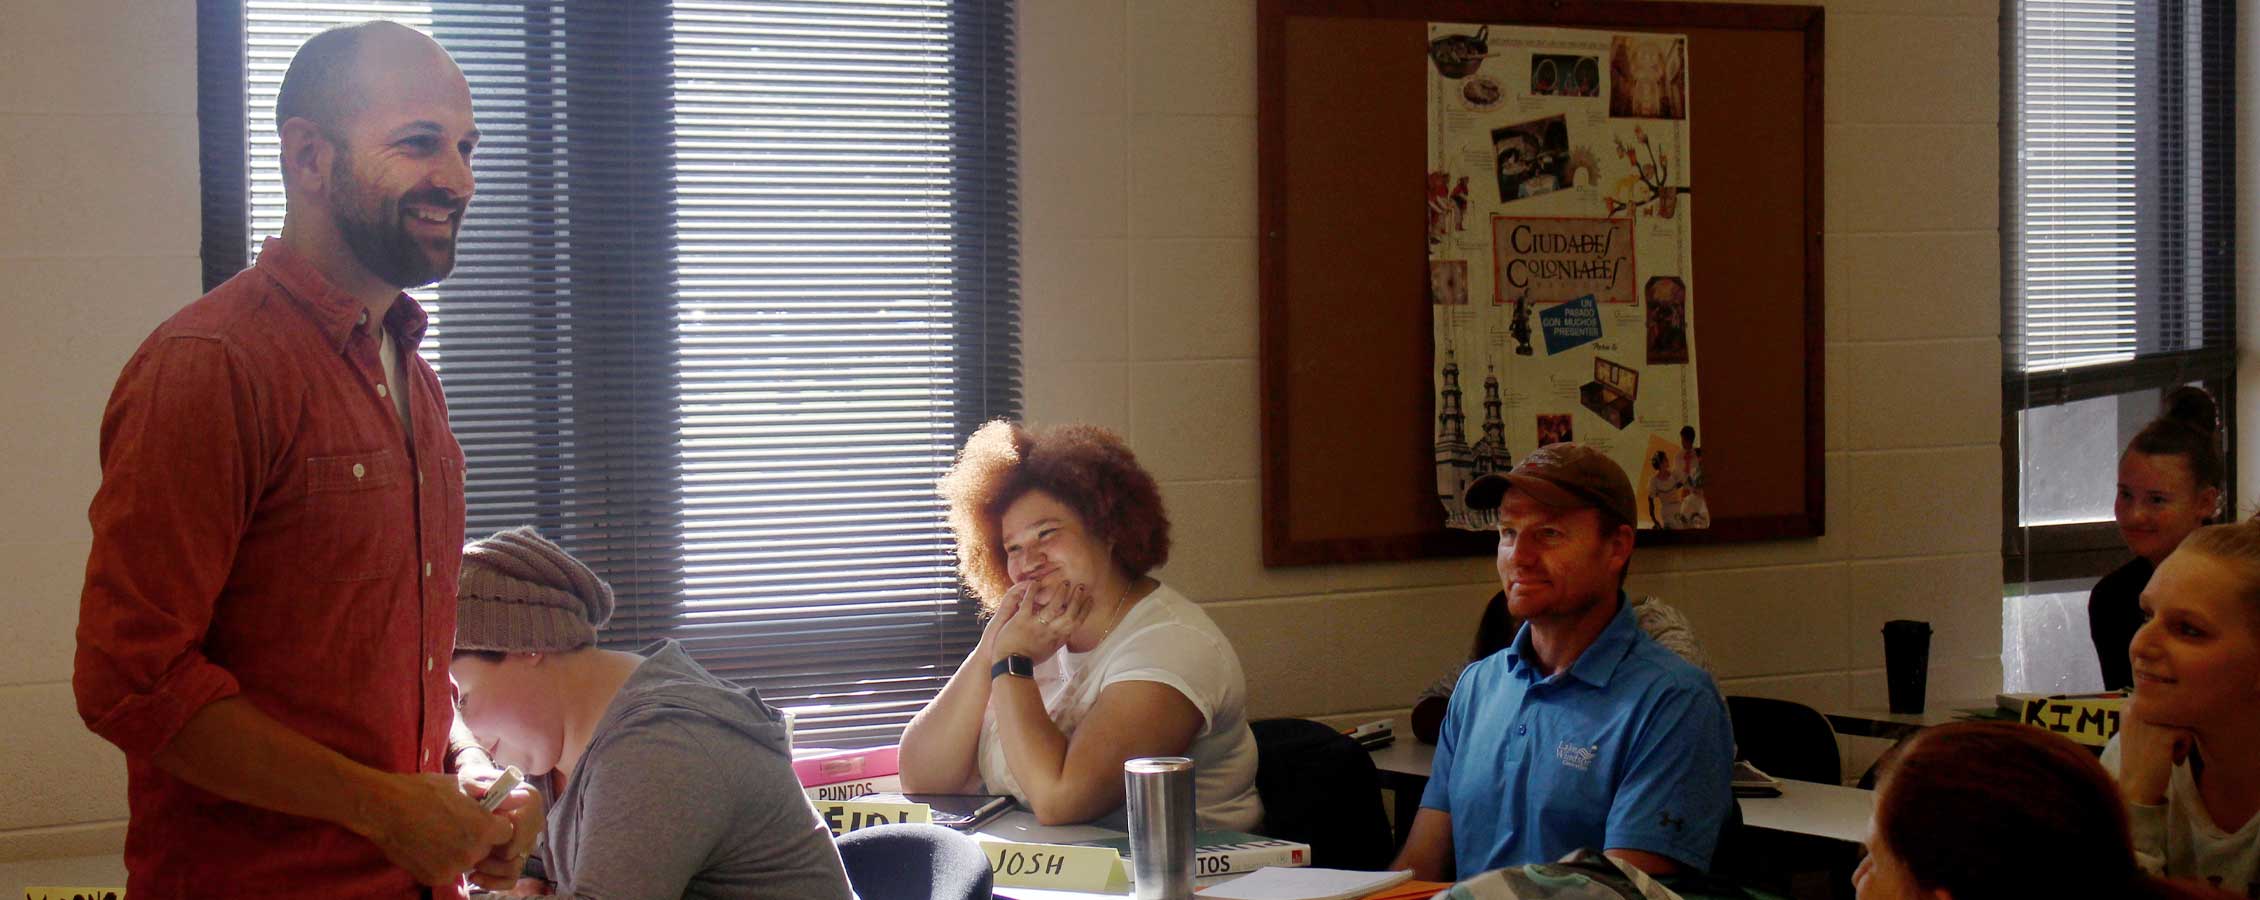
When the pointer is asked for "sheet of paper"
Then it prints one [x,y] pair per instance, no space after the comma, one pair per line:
[1278,883]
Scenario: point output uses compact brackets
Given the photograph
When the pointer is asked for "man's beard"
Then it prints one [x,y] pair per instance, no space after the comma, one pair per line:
[377,233]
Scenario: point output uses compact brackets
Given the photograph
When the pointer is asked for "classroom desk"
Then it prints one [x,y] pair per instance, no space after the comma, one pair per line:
[1020,826]
[1404,766]
[1883,723]
[1804,807]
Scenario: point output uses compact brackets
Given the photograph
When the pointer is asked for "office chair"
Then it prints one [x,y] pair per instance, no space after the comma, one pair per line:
[1319,787]
[914,862]
[1786,739]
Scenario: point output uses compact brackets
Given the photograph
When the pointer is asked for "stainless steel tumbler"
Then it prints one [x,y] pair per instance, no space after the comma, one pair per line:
[1159,793]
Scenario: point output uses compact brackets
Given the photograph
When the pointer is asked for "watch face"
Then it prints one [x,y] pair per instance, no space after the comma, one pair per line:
[1021,666]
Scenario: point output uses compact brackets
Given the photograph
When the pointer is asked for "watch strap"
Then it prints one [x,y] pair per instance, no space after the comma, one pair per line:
[1014,664]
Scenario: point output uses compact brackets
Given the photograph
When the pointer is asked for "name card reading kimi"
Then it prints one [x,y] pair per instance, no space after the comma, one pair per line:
[843,816]
[1054,866]
[2087,720]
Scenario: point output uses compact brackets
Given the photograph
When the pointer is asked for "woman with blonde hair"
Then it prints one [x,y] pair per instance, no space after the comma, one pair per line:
[2186,751]
[1087,660]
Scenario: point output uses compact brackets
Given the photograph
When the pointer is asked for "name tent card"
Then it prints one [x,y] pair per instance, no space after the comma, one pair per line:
[843,816]
[1056,867]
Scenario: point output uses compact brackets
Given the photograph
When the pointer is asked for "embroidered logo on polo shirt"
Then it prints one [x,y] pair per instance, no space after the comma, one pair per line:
[1576,757]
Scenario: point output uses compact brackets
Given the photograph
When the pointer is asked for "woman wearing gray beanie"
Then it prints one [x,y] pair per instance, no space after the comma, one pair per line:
[661,779]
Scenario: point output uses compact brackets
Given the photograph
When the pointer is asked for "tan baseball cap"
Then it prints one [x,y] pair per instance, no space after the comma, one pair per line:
[1566,474]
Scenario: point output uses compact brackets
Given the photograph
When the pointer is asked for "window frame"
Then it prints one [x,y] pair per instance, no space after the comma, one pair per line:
[2087,550]
[984,377]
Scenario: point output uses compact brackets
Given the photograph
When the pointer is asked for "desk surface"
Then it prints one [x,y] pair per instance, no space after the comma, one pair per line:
[1406,755]
[1804,807]
[1883,723]
[1020,826]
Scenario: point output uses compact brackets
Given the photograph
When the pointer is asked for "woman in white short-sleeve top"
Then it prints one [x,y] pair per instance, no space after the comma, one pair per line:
[1086,661]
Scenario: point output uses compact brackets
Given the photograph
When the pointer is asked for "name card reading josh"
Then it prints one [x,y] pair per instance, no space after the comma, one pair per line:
[1052,866]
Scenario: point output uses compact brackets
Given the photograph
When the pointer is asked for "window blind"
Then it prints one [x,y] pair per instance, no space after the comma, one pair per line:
[2119,137]
[739,278]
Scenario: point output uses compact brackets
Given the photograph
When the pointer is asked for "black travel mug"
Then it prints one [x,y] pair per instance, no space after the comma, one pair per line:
[1906,663]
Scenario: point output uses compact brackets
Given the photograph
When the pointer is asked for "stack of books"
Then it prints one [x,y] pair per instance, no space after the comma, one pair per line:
[848,774]
[1372,735]
[1227,852]
[1749,781]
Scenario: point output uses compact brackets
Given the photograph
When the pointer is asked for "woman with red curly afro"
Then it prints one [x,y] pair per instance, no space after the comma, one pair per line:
[1086,661]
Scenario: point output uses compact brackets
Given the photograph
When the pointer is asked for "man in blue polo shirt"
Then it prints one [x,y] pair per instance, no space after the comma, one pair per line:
[1585,732]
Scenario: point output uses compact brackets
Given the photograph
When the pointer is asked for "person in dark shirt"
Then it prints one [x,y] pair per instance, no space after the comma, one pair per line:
[2169,485]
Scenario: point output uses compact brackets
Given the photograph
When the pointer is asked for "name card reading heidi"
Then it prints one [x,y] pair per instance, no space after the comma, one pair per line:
[1052,866]
[843,816]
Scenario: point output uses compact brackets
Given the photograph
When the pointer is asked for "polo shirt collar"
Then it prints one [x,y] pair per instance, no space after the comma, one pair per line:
[1599,661]
[337,313]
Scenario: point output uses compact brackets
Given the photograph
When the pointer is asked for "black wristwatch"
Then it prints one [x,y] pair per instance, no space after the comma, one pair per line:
[1013,664]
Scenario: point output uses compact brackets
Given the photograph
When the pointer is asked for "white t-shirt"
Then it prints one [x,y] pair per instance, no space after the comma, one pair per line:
[388,353]
[1166,639]
[2180,840]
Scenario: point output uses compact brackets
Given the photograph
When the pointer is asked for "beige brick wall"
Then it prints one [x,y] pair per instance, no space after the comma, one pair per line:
[1139,188]
[98,242]
[1138,122]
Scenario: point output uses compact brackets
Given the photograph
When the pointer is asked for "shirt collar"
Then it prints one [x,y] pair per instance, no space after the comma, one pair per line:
[1600,659]
[337,313]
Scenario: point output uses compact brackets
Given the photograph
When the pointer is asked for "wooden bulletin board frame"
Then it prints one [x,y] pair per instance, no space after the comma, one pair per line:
[1348,421]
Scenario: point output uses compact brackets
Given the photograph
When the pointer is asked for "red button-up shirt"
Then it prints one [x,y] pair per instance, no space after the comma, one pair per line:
[266,529]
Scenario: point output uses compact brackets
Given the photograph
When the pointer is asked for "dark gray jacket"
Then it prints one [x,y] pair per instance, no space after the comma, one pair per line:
[687,790]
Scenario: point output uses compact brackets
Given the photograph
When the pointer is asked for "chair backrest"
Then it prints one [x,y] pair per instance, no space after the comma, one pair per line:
[1319,787]
[1786,739]
[914,862]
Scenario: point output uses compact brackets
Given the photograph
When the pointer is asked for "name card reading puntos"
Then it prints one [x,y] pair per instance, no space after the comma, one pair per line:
[843,816]
[1053,866]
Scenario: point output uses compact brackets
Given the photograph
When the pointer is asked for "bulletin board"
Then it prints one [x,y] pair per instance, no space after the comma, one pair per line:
[1348,424]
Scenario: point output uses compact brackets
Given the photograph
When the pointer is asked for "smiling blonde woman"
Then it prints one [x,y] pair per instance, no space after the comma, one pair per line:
[2184,754]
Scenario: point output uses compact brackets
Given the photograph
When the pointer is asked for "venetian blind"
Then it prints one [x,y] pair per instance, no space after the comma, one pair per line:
[2118,127]
[738,279]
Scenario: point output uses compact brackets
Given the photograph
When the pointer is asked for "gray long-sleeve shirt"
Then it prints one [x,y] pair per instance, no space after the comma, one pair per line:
[687,790]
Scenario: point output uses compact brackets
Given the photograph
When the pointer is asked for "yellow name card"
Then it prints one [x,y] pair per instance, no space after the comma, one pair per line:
[843,816]
[2090,721]
[73,893]
[1055,866]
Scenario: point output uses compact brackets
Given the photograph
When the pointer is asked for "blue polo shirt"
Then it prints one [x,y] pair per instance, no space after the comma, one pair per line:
[1628,749]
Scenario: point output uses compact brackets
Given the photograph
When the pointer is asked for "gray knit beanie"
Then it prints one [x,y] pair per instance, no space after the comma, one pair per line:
[519,592]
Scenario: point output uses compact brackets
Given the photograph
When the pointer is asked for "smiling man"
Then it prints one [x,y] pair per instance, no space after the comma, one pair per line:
[1585,732]
[270,601]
